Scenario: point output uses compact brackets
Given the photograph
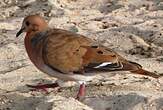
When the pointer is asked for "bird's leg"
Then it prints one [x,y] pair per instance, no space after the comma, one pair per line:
[81,92]
[43,87]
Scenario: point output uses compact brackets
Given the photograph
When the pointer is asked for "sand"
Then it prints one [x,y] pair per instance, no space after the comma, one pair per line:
[133,28]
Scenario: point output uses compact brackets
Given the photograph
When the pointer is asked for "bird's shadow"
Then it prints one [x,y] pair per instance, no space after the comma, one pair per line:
[116,102]
[16,101]
[159,104]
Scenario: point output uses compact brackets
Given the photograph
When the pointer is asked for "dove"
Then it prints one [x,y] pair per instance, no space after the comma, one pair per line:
[70,56]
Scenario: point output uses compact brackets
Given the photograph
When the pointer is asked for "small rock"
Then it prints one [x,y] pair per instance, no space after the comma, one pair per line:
[138,41]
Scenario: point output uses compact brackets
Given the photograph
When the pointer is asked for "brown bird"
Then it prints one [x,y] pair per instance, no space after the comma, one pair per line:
[69,56]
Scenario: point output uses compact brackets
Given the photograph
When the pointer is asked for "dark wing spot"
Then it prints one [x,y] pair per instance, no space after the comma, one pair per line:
[94,46]
[113,56]
[99,52]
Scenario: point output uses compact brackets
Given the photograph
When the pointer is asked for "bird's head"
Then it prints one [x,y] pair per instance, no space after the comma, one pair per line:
[32,24]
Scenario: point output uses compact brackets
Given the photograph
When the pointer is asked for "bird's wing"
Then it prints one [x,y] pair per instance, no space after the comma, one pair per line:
[100,58]
[73,53]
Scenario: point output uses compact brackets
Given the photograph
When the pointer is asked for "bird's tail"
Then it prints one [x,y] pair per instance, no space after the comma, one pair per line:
[147,73]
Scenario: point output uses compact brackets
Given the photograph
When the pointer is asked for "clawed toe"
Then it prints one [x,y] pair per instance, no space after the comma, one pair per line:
[42,87]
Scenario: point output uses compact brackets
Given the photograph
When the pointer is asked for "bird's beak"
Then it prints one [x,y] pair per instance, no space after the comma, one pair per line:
[20,31]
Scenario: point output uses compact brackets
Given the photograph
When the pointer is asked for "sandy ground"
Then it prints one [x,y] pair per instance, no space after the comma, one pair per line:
[133,28]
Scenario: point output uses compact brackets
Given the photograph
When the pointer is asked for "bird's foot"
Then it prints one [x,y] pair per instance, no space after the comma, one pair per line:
[42,87]
[81,93]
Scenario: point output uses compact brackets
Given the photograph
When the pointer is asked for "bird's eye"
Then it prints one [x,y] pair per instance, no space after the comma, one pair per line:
[99,52]
[27,23]
[94,46]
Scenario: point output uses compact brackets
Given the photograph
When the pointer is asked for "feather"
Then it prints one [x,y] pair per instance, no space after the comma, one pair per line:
[103,64]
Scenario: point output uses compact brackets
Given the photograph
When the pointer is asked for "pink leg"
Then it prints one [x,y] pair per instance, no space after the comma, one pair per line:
[43,87]
[81,92]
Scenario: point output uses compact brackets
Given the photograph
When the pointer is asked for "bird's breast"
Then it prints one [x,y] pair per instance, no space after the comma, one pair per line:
[34,53]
